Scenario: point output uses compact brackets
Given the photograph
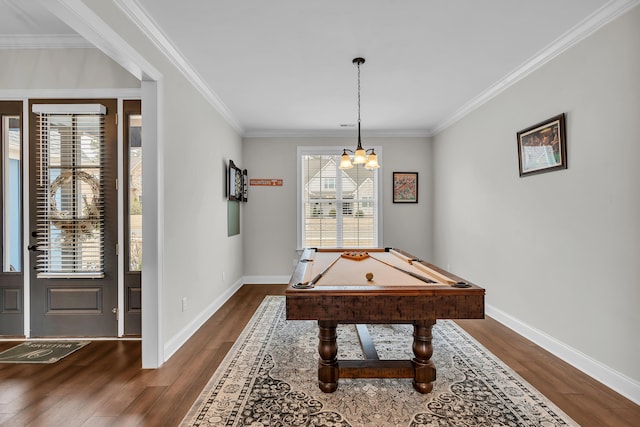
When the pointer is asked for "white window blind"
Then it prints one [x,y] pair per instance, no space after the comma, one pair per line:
[70,202]
[337,208]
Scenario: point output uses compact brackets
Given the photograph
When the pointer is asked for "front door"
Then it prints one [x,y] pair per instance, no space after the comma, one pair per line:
[73,217]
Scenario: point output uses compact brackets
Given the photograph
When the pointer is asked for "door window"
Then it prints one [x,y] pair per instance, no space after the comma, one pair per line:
[11,155]
[70,206]
[135,192]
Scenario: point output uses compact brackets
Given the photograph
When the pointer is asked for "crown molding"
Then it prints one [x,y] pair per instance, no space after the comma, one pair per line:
[85,22]
[579,32]
[44,41]
[287,133]
[121,93]
[139,16]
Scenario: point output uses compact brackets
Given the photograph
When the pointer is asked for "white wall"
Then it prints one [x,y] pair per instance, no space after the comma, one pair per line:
[557,252]
[269,218]
[61,69]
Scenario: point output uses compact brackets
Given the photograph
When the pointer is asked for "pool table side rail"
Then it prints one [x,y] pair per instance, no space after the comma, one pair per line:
[359,304]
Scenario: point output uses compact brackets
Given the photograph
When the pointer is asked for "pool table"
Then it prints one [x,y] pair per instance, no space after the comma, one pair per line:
[367,286]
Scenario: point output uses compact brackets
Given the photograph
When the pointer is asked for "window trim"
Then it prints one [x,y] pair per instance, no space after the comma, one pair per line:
[333,151]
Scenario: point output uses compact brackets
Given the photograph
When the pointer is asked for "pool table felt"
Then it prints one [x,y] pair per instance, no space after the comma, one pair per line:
[353,272]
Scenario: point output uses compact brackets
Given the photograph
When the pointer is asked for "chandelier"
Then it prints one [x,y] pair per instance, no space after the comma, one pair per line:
[360,156]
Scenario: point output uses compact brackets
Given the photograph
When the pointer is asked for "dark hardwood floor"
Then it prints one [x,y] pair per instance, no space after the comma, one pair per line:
[103,384]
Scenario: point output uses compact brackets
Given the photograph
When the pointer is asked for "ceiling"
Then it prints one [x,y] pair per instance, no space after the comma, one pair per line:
[285,66]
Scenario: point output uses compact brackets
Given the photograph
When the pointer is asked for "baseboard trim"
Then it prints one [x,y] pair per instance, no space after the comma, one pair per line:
[181,337]
[618,382]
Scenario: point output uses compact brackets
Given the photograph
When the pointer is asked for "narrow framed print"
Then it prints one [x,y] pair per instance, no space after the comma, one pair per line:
[405,187]
[542,147]
[245,185]
[234,182]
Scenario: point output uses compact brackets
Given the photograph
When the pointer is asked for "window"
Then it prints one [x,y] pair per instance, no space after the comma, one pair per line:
[135,191]
[336,208]
[70,208]
[329,183]
[11,202]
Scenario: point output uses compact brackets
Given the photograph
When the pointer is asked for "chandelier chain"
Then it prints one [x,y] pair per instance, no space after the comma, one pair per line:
[358,92]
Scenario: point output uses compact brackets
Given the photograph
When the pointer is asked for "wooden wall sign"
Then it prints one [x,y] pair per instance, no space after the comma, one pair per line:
[265,182]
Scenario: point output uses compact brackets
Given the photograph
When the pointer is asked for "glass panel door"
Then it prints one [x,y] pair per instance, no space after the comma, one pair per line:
[73,217]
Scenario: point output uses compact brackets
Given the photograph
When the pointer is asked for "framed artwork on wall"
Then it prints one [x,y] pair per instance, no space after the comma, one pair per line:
[235,186]
[542,147]
[405,187]
[245,185]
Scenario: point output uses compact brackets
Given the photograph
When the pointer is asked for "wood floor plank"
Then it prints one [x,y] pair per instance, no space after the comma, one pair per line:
[103,385]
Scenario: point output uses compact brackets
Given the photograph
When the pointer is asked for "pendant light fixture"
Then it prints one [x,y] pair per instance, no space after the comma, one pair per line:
[360,155]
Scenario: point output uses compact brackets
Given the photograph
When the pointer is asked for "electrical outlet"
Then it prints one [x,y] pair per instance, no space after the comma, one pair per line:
[184,304]
[224,276]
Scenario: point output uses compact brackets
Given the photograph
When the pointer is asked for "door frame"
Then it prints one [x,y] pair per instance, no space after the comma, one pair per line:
[24,96]
[83,19]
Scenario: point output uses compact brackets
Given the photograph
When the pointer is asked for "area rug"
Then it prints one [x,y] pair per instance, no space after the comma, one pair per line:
[40,351]
[269,378]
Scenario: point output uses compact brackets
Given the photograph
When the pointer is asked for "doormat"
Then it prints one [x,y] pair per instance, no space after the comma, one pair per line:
[40,351]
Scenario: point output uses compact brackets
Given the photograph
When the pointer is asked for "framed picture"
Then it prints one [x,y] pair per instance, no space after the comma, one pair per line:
[234,182]
[405,187]
[245,185]
[542,147]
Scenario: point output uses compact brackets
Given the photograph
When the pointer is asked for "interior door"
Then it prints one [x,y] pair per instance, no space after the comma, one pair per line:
[73,217]
[11,248]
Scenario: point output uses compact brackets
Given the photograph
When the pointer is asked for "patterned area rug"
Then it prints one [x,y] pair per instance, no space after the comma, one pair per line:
[269,378]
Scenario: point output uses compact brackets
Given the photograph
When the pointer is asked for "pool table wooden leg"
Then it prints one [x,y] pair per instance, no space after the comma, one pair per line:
[425,370]
[328,370]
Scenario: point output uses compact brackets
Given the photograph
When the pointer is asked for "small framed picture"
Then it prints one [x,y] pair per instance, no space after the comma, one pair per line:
[405,187]
[542,147]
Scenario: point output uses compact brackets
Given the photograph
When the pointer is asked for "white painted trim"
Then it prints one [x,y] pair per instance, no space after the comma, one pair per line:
[340,133]
[187,332]
[121,210]
[579,32]
[18,94]
[597,370]
[153,225]
[26,217]
[139,16]
[89,25]
[44,41]
[69,109]
[266,280]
